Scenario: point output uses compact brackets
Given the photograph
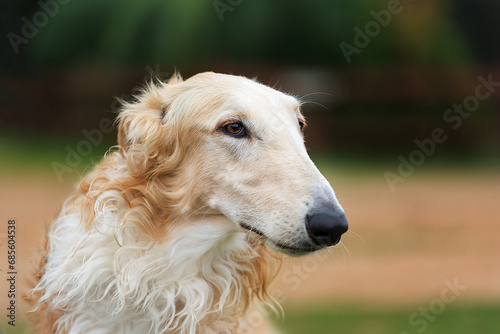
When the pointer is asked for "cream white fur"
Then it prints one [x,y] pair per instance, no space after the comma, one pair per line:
[168,234]
[121,281]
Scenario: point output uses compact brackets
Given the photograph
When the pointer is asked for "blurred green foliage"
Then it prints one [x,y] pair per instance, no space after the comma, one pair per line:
[295,31]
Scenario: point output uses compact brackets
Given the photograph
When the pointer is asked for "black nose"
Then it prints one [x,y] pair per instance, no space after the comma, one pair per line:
[325,227]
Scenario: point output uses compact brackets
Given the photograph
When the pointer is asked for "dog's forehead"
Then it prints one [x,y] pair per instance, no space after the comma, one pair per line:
[243,91]
[263,102]
[253,98]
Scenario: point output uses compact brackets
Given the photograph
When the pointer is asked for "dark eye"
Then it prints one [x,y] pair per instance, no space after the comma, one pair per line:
[302,125]
[235,129]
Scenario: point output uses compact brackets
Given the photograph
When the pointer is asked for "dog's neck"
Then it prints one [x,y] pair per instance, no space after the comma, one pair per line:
[196,281]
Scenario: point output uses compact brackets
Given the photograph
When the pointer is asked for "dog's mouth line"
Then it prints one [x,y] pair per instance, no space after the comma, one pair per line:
[253,229]
[304,249]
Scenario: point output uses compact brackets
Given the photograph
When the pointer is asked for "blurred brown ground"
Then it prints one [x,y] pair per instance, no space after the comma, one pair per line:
[434,227]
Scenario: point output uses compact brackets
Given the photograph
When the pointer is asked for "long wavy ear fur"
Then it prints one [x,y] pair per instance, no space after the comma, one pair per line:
[142,133]
[141,121]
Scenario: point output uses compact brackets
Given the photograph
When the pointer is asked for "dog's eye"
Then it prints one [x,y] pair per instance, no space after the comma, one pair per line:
[235,129]
[302,125]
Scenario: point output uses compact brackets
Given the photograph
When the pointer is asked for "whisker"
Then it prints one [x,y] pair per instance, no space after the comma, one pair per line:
[352,234]
[344,252]
[343,199]
[322,256]
[315,93]
[316,103]
[347,250]
[329,250]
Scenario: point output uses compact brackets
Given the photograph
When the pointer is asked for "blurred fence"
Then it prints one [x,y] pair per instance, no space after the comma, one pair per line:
[372,108]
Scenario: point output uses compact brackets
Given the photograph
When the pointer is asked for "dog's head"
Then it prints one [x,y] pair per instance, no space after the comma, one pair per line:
[223,144]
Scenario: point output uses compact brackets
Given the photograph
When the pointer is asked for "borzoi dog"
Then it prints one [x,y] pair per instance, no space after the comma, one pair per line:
[172,231]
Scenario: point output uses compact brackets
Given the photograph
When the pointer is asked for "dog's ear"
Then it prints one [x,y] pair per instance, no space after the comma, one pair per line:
[141,124]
